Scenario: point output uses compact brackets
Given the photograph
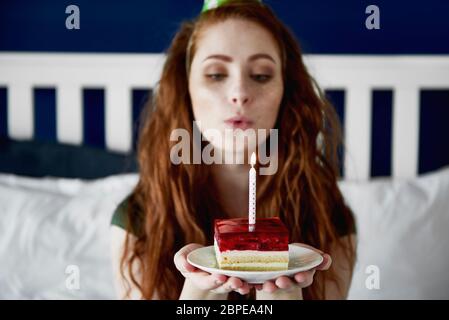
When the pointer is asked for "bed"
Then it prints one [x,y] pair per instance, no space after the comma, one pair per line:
[62,172]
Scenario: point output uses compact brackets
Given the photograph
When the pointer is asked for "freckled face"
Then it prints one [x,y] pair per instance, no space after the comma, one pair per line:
[235,72]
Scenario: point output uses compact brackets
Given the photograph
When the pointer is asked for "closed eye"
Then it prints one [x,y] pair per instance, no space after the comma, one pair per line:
[261,77]
[216,76]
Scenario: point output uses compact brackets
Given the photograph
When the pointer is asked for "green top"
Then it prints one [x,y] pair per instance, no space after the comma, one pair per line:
[119,218]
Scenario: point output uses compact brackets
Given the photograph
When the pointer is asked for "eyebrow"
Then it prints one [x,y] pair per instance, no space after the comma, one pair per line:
[252,58]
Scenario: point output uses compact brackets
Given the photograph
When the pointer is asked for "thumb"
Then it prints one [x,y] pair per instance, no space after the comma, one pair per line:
[327,262]
[180,258]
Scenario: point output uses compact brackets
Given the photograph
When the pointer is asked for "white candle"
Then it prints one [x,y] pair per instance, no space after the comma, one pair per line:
[252,193]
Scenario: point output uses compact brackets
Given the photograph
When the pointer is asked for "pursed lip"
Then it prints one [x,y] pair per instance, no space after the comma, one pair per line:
[240,122]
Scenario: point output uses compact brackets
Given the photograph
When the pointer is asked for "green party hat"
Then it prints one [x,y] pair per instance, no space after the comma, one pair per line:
[212,4]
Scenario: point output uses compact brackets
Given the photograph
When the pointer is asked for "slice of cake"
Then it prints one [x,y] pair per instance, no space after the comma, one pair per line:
[263,249]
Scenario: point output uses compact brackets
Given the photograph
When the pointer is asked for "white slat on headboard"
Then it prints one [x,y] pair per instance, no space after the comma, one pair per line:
[20,110]
[118,117]
[358,132]
[405,131]
[69,114]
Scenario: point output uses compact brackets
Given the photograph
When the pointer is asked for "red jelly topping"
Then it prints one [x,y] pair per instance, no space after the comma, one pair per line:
[269,234]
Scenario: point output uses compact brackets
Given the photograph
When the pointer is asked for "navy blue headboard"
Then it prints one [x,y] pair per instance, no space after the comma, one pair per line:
[323,27]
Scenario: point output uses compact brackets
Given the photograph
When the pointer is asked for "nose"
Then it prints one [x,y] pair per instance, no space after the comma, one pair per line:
[240,100]
[239,95]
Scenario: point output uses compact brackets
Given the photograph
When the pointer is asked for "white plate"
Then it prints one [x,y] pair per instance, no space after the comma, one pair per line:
[300,259]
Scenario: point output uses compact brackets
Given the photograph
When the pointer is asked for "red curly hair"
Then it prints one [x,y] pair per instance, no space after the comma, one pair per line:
[176,203]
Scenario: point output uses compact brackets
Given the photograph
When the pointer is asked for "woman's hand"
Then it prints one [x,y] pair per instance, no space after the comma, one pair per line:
[215,283]
[300,279]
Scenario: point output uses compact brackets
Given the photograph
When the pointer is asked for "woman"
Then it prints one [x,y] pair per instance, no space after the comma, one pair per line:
[234,60]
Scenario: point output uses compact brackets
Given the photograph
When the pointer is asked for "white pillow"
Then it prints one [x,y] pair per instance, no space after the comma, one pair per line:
[403,234]
[49,224]
[52,228]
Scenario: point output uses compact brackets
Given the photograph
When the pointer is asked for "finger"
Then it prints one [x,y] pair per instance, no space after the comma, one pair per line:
[304,279]
[258,286]
[244,289]
[234,283]
[206,281]
[184,251]
[269,286]
[187,266]
[284,282]
[231,284]
[220,278]
[183,265]
[301,277]
[180,258]
[326,264]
